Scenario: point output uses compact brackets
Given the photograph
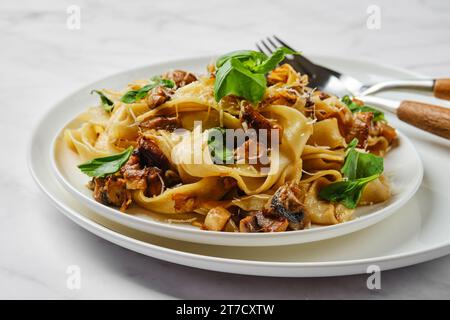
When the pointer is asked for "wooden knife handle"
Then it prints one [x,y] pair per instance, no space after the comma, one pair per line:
[441,89]
[426,116]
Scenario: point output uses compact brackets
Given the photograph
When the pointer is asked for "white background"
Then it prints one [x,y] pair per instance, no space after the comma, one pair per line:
[41,61]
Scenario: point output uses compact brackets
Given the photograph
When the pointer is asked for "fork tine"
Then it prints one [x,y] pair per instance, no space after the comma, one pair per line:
[301,58]
[272,43]
[260,48]
[267,47]
[281,42]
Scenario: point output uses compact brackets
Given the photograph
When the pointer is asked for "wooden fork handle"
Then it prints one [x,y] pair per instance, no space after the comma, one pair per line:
[441,88]
[426,116]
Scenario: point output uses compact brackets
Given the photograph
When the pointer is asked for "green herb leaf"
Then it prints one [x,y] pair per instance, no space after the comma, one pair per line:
[107,104]
[358,170]
[352,144]
[346,192]
[234,78]
[217,146]
[271,63]
[368,165]
[136,95]
[101,167]
[351,161]
[354,107]
[360,165]
[129,97]
[253,57]
[242,73]
[167,83]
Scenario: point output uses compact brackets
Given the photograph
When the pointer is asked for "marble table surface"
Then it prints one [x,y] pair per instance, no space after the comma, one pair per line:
[42,60]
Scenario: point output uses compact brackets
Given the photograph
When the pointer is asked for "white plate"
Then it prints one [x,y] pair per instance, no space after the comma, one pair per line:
[402,166]
[418,232]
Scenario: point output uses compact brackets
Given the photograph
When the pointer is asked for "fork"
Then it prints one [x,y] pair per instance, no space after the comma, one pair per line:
[431,118]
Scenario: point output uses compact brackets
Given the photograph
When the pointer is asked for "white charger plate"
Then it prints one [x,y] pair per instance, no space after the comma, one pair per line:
[402,166]
[419,231]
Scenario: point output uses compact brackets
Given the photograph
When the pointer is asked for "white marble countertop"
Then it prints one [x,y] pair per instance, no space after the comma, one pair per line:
[42,61]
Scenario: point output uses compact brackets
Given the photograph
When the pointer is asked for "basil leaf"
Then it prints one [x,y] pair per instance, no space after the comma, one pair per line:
[101,167]
[161,82]
[359,169]
[354,107]
[351,160]
[274,60]
[234,78]
[217,146]
[242,73]
[129,97]
[142,92]
[351,164]
[167,83]
[352,144]
[242,55]
[368,165]
[107,104]
[360,165]
[347,192]
[136,95]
